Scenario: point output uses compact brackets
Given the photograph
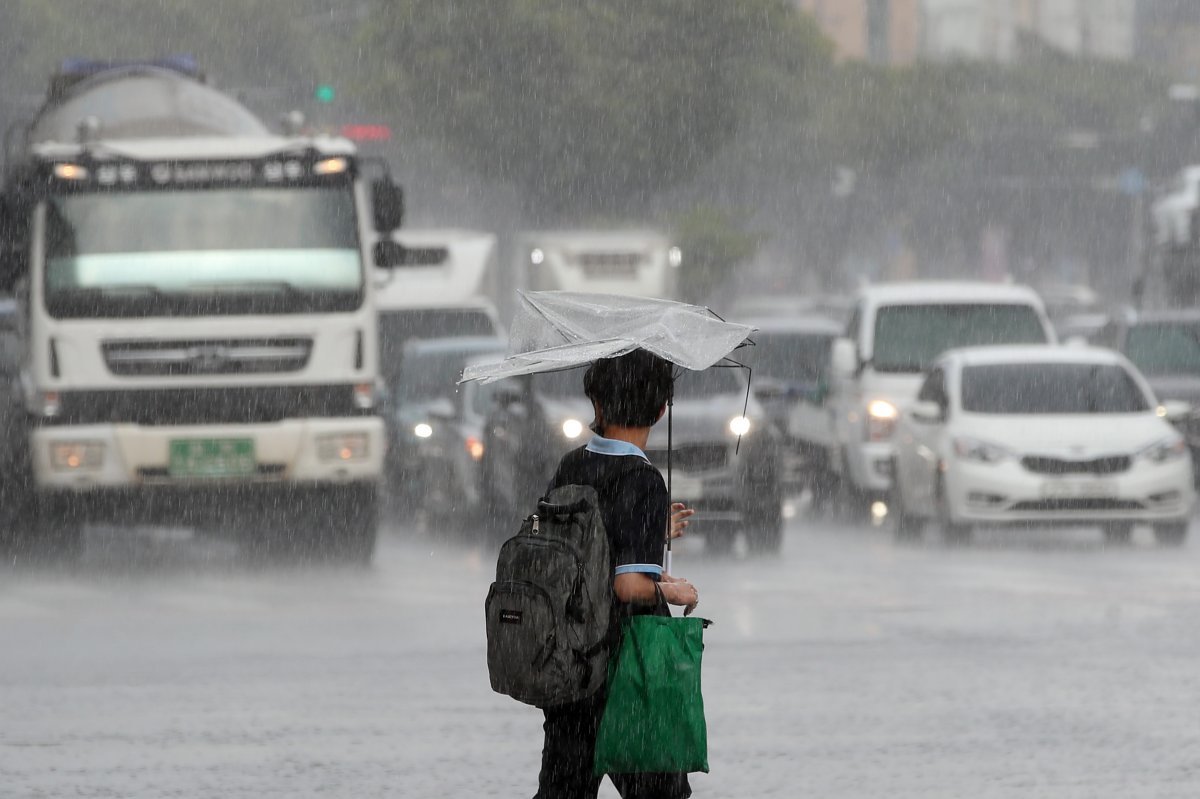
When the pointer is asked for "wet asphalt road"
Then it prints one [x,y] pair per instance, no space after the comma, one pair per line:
[1032,664]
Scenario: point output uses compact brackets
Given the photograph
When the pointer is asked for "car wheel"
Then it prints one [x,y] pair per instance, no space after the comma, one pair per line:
[954,533]
[908,528]
[719,542]
[1118,533]
[1172,534]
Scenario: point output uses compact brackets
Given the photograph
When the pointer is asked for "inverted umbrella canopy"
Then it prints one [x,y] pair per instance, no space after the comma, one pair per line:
[557,330]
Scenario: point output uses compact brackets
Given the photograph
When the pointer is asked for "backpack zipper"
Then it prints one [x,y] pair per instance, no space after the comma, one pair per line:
[536,529]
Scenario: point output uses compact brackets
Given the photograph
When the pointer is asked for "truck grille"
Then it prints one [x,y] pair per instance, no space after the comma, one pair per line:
[609,264]
[206,357]
[234,405]
[692,457]
[1076,504]
[1113,464]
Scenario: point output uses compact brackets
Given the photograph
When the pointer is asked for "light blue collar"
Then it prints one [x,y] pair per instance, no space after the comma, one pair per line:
[612,446]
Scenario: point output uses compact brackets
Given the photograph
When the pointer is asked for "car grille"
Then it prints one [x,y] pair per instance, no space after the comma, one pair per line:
[1076,504]
[1114,464]
[609,264]
[233,405]
[207,356]
[692,457]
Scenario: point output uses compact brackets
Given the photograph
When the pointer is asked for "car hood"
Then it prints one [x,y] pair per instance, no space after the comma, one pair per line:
[1076,437]
[705,420]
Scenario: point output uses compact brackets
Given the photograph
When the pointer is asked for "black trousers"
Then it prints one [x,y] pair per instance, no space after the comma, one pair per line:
[567,759]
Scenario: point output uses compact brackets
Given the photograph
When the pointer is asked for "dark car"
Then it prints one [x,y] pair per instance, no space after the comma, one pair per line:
[791,368]
[437,427]
[732,487]
[1165,347]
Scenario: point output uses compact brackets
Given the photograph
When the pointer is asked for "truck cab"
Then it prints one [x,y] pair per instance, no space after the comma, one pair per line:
[196,310]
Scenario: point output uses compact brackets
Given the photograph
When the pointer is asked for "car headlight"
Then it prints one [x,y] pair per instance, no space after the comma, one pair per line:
[972,449]
[739,425]
[881,420]
[423,430]
[1164,450]
[572,428]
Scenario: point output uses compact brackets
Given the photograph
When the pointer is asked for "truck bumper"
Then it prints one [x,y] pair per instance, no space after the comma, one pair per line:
[294,451]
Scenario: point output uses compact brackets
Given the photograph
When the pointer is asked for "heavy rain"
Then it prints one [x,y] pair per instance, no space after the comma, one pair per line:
[299,326]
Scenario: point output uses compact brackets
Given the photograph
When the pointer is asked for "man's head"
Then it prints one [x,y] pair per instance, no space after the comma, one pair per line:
[629,391]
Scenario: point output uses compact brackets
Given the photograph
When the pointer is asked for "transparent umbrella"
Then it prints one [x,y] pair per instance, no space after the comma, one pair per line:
[557,330]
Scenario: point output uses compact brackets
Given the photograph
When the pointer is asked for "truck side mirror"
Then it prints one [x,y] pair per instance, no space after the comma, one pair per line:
[844,357]
[927,412]
[387,200]
[12,241]
[389,254]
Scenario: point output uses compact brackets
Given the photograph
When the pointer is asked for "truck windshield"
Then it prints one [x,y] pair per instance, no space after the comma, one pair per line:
[202,252]
[1163,349]
[1050,388]
[908,338]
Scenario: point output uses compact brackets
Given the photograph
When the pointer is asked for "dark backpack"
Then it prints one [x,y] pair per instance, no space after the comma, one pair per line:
[548,613]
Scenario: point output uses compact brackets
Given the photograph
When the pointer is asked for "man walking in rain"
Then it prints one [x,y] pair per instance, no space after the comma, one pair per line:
[629,395]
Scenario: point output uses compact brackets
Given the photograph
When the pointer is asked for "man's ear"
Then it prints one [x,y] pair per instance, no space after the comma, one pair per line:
[661,412]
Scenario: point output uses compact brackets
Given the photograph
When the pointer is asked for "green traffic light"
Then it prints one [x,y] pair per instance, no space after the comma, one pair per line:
[324,93]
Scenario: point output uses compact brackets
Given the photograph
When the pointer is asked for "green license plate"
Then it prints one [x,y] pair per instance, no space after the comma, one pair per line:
[212,457]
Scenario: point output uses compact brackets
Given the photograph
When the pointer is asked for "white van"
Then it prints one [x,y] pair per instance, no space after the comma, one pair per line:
[895,332]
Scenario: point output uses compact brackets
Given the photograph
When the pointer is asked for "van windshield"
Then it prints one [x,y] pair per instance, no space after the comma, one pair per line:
[908,338]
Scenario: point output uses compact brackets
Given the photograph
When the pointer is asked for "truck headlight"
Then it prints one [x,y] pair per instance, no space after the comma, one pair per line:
[423,430]
[342,447]
[572,428]
[973,449]
[881,420]
[70,456]
[1167,449]
[739,425]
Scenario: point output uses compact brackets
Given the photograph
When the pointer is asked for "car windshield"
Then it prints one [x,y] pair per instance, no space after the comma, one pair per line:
[397,328]
[1051,388]
[908,338]
[202,251]
[432,373]
[792,357]
[1163,349]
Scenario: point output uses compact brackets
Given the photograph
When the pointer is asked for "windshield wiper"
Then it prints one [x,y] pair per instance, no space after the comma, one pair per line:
[135,289]
[281,286]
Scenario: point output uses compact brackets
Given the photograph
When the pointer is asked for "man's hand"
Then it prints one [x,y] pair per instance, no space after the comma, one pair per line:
[680,514]
[678,591]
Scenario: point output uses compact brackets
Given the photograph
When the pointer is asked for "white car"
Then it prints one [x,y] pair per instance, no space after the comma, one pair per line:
[1040,435]
[895,332]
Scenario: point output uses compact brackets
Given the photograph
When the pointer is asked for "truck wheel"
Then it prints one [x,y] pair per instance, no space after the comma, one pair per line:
[352,524]
[57,526]
[1171,535]
[719,542]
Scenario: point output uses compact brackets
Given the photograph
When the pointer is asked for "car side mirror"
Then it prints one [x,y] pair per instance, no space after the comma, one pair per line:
[1175,410]
[926,412]
[844,357]
[387,201]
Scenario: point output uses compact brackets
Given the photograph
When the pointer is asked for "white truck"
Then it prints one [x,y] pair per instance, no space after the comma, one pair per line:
[1175,218]
[197,315]
[894,333]
[616,261]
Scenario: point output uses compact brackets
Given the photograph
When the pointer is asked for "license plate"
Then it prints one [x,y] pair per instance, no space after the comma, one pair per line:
[1079,489]
[212,457]
[684,487]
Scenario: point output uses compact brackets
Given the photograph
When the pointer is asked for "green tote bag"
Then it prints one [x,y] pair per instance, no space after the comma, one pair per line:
[654,716]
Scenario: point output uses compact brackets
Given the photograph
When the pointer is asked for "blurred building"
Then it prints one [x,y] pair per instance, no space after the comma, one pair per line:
[1169,37]
[898,32]
[879,31]
[1007,30]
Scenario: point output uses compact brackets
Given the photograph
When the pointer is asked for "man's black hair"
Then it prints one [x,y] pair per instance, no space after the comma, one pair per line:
[631,389]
